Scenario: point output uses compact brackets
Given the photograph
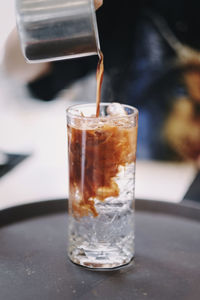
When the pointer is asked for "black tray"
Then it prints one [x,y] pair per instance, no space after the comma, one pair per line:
[12,161]
[34,263]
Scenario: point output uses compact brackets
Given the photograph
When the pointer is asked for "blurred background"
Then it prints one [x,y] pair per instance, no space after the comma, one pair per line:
[152,61]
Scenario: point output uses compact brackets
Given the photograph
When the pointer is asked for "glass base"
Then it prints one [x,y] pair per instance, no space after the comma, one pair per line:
[104,262]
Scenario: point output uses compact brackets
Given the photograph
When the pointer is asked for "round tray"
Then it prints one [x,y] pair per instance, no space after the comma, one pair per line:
[34,263]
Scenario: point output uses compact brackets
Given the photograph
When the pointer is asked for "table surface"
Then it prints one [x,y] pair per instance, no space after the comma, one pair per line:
[34,263]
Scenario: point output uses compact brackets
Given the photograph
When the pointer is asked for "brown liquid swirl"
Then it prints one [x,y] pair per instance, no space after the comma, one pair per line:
[95,156]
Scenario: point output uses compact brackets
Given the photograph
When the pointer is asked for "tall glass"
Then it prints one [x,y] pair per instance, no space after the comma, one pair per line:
[102,154]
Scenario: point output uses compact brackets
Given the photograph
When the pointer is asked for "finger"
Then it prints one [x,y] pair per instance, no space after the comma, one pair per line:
[98,3]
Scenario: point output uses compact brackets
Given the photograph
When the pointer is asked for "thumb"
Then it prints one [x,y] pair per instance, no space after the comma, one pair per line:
[98,3]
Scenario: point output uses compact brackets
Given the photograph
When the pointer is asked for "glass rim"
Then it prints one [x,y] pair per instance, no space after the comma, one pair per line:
[73,106]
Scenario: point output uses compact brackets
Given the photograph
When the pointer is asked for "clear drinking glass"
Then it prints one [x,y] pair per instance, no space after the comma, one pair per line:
[102,155]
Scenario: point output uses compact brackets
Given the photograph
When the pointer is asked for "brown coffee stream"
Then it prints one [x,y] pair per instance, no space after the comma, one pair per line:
[99,77]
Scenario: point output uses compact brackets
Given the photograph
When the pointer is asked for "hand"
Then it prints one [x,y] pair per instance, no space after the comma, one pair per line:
[98,3]
[15,65]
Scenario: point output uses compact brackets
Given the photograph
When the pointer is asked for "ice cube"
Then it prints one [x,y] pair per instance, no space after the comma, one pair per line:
[116,109]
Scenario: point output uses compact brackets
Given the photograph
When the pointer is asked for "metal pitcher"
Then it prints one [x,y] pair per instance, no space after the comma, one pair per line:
[57,29]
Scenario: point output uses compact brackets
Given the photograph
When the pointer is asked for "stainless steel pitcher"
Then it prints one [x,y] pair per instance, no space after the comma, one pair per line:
[57,29]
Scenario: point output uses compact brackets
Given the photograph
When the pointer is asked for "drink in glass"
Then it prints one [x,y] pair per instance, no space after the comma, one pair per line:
[102,155]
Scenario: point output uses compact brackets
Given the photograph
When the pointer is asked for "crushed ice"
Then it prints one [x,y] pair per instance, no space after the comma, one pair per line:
[116,109]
